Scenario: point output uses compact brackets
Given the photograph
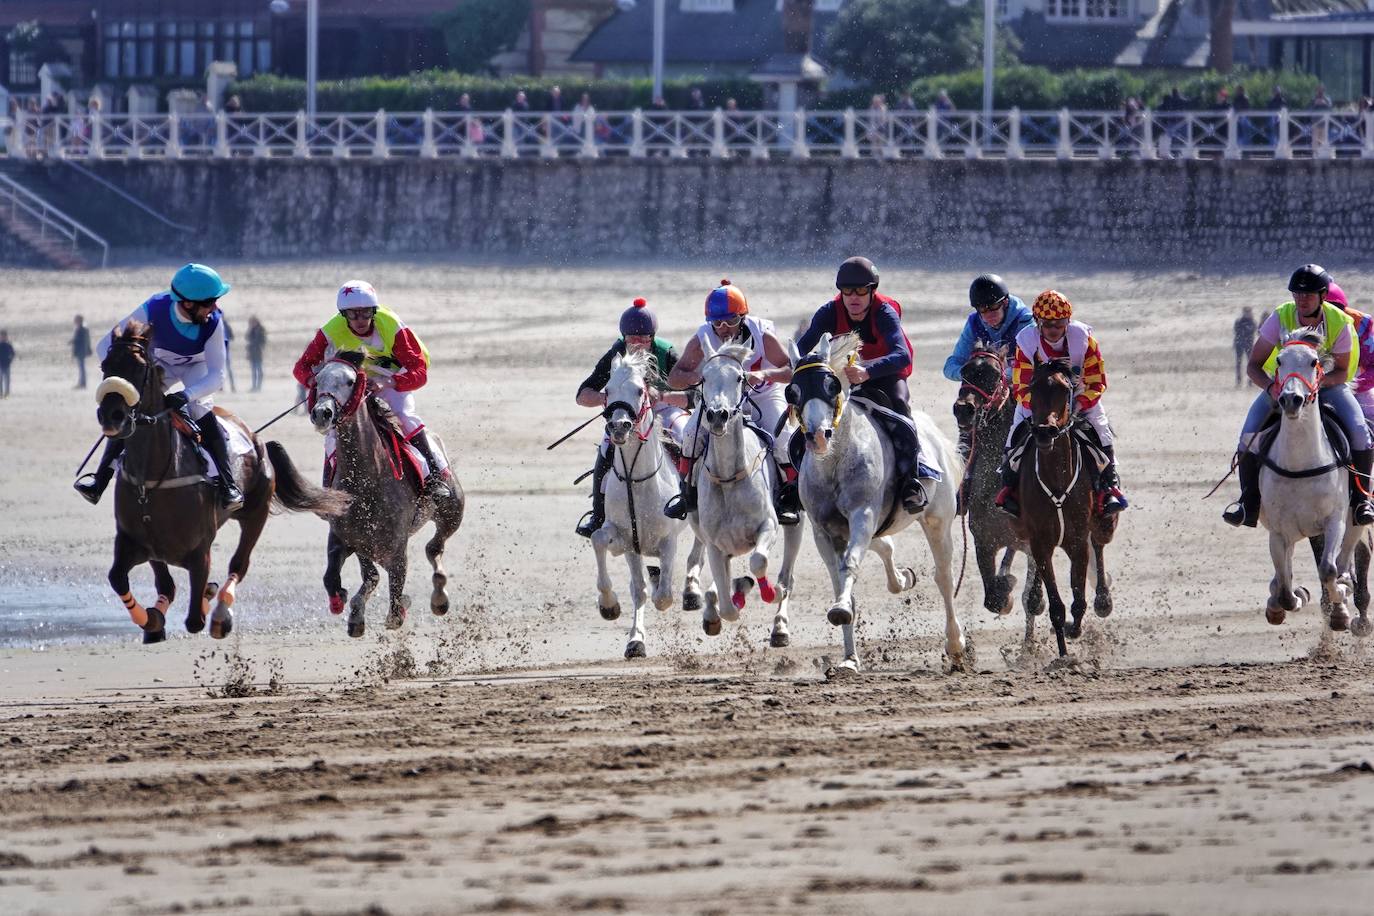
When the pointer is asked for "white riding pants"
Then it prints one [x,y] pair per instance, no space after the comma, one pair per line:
[1095,415]
[188,375]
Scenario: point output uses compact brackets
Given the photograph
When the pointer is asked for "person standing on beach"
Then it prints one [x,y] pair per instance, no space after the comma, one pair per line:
[6,359]
[1243,339]
[257,343]
[81,348]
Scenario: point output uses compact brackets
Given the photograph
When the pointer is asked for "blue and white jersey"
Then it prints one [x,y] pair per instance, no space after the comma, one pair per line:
[1018,317]
[187,352]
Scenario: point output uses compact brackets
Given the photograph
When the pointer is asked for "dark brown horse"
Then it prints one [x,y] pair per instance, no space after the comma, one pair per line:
[166,511]
[984,410]
[1057,500]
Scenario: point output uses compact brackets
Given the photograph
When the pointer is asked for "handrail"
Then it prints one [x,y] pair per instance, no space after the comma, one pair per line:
[717,134]
[111,186]
[49,217]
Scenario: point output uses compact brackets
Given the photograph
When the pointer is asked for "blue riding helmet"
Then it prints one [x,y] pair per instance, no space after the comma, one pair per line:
[638,321]
[197,283]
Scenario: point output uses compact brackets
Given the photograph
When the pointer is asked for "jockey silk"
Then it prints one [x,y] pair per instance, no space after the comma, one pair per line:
[1334,321]
[879,347]
[169,343]
[1082,353]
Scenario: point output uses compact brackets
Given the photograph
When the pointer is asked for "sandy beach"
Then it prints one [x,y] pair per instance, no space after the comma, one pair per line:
[1192,758]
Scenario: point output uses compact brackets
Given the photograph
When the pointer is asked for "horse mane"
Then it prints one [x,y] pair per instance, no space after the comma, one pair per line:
[132,331]
[740,353]
[1060,366]
[353,357]
[642,361]
[1305,335]
[840,349]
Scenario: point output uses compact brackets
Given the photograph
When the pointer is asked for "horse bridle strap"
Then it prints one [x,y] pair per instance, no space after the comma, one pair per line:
[743,473]
[795,409]
[637,412]
[1058,501]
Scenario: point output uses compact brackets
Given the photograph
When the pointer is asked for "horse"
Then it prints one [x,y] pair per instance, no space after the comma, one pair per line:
[848,487]
[1056,495]
[984,409]
[167,512]
[389,505]
[735,513]
[1303,490]
[1361,625]
[644,480]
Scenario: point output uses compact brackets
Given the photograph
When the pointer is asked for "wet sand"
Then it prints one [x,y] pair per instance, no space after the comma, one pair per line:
[505,758]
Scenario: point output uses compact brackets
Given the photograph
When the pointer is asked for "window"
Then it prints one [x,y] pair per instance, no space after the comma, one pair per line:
[144,50]
[708,6]
[22,70]
[1088,10]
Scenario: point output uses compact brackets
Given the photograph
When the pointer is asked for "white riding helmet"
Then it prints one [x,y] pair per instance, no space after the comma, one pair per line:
[357,294]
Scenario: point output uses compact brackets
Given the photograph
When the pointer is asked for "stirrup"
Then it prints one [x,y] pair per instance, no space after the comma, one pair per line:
[90,492]
[231,497]
[1362,512]
[681,505]
[585,527]
[914,498]
[1237,515]
[1007,502]
[1113,501]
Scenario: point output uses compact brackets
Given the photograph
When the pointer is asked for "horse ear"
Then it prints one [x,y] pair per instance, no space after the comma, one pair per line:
[792,352]
[823,348]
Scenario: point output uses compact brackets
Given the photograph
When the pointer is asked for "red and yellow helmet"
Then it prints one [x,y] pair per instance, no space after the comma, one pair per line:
[1052,305]
[725,302]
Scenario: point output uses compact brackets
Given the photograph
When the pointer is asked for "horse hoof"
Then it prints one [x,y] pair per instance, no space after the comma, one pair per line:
[737,599]
[742,584]
[1275,614]
[1073,630]
[194,623]
[439,606]
[158,635]
[1361,626]
[210,589]
[840,616]
[908,578]
[635,650]
[356,629]
[1102,606]
[691,601]
[221,625]
[1303,595]
[711,627]
[396,619]
[1340,620]
[767,592]
[779,640]
[610,613]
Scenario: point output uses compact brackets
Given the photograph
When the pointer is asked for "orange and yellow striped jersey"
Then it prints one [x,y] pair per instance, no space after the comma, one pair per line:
[1091,383]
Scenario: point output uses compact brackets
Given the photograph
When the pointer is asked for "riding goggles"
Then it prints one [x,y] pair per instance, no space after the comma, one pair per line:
[359,314]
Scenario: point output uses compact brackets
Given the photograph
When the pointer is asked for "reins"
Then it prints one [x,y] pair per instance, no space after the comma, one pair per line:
[627,478]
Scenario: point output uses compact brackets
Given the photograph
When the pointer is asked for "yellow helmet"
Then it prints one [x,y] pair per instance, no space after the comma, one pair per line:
[1051,305]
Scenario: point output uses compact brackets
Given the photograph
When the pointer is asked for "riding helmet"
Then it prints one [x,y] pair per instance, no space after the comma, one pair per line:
[1052,305]
[857,272]
[197,283]
[1336,296]
[725,302]
[1309,278]
[987,290]
[638,321]
[357,294]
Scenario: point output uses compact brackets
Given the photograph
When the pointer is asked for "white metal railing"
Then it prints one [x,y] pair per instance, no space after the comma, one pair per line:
[50,220]
[719,134]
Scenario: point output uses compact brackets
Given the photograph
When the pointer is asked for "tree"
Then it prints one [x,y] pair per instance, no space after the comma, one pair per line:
[37,43]
[478,30]
[889,43]
[1221,56]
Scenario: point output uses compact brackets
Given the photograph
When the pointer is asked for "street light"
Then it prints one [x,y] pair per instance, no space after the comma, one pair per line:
[625,6]
[312,46]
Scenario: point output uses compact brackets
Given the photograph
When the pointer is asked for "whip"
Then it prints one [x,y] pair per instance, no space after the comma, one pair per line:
[279,416]
[575,431]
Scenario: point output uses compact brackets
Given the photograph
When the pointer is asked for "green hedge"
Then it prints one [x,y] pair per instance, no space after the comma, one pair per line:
[440,89]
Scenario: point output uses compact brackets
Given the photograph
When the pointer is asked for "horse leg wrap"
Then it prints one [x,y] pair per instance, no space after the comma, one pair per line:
[336,602]
[766,590]
[137,612]
[737,599]
[226,594]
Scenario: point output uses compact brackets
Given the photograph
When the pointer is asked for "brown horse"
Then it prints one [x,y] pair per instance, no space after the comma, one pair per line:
[166,511]
[1056,494]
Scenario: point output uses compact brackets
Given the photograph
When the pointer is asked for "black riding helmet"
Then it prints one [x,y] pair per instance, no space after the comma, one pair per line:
[987,290]
[1309,278]
[857,272]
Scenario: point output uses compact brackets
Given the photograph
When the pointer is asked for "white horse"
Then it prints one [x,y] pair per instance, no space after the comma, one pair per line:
[1303,487]
[735,514]
[642,479]
[850,495]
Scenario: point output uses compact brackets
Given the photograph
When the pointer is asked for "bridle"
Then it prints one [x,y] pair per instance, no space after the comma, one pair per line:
[640,413]
[355,396]
[637,414]
[1312,387]
[838,405]
[135,347]
[745,470]
[992,400]
[1055,430]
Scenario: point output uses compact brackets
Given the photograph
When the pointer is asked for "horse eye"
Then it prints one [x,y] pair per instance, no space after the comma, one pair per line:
[793,394]
[1314,362]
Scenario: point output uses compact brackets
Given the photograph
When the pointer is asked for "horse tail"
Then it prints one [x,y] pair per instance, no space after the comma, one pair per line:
[295,494]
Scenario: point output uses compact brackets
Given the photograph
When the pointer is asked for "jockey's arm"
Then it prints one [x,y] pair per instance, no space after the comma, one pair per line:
[897,358]
[213,379]
[1340,371]
[822,321]
[1254,369]
[310,360]
[405,349]
[963,349]
[139,314]
[687,372]
[774,353]
[589,397]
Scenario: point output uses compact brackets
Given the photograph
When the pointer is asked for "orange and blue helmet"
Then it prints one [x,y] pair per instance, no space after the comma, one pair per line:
[726,302]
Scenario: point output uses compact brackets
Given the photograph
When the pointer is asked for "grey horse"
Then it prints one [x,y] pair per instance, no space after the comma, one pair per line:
[386,509]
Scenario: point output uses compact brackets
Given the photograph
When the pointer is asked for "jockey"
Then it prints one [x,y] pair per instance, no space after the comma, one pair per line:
[728,322]
[885,358]
[396,363]
[188,345]
[1056,336]
[997,318]
[1310,285]
[1364,338]
[638,330]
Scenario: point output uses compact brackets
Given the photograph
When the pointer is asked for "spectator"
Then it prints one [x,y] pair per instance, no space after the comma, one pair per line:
[1130,121]
[877,123]
[558,128]
[465,102]
[695,100]
[582,112]
[1321,103]
[1223,102]
[1243,340]
[1169,125]
[1245,129]
[228,356]
[1366,106]
[257,343]
[731,105]
[6,359]
[81,349]
[521,103]
[943,102]
[658,104]
[1240,101]
[233,105]
[906,102]
[474,131]
[1277,102]
[556,99]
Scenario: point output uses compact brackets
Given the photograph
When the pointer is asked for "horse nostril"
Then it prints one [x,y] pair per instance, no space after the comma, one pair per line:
[829,433]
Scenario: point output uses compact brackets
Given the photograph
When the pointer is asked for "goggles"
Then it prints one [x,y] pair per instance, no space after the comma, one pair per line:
[359,314]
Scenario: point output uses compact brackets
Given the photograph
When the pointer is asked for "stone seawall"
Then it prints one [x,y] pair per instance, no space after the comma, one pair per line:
[1103,213]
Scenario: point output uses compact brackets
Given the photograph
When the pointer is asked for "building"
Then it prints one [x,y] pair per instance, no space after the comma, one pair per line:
[1333,40]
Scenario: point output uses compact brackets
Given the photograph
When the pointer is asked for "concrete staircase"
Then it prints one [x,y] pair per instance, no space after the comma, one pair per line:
[47,250]
[39,232]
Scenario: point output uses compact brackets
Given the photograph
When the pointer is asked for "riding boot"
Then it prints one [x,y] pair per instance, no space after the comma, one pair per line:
[436,484]
[92,491]
[1360,488]
[213,437]
[1109,485]
[1008,498]
[787,499]
[1245,510]
[593,520]
[685,502]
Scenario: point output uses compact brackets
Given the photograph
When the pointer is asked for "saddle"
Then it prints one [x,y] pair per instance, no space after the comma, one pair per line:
[405,463]
[901,431]
[1335,434]
[1089,447]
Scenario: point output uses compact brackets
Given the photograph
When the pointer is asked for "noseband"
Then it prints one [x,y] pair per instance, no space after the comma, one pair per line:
[1312,387]
[992,400]
[1055,430]
[838,404]
[136,347]
[743,388]
[638,413]
[355,397]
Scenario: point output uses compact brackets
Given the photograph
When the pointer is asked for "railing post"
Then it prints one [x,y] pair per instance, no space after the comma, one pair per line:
[637,134]
[1190,150]
[221,135]
[1065,148]
[932,148]
[1147,135]
[302,145]
[1367,149]
[1283,148]
[1014,148]
[380,149]
[1324,149]
[547,148]
[427,148]
[849,149]
[173,147]
[799,148]
[508,148]
[135,137]
[97,140]
[1107,148]
[718,148]
[589,150]
[1232,142]
[759,149]
[18,134]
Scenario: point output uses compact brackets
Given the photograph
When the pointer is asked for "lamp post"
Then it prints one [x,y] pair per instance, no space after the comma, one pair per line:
[312,46]
[626,6]
[989,36]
